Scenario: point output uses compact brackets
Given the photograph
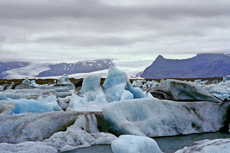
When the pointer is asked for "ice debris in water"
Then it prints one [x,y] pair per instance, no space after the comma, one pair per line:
[134,144]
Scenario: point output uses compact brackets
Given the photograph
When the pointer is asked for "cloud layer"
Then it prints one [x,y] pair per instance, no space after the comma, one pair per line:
[72,30]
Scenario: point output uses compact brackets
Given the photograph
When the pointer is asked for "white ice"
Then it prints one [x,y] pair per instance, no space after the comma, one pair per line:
[154,117]
[208,146]
[134,144]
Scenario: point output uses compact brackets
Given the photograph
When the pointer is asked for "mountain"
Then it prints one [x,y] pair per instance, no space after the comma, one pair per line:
[200,66]
[79,67]
[5,66]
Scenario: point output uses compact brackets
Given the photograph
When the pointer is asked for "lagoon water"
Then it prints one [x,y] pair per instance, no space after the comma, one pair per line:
[167,144]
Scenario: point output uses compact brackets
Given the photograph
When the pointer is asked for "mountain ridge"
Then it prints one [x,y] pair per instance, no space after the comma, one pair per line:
[200,66]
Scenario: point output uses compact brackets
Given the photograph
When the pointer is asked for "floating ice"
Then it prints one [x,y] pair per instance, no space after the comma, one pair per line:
[223,95]
[27,147]
[90,83]
[134,144]
[226,78]
[64,81]
[3,96]
[144,84]
[31,106]
[35,126]
[27,81]
[92,101]
[206,146]
[6,107]
[117,84]
[83,133]
[93,97]
[153,117]
[182,91]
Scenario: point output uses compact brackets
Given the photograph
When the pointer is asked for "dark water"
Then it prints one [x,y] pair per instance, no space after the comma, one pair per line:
[167,144]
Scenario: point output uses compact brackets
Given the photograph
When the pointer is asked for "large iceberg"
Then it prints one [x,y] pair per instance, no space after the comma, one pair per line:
[35,126]
[154,117]
[135,144]
[55,131]
[83,133]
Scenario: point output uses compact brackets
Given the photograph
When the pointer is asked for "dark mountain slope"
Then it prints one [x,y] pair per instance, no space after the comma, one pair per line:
[200,66]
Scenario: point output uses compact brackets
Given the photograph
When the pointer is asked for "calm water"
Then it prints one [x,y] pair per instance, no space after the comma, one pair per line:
[167,144]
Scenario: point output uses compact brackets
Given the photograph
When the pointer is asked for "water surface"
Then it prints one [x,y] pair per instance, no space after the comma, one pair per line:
[167,144]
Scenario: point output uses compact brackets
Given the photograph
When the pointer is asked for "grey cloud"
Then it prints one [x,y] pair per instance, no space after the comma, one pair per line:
[48,28]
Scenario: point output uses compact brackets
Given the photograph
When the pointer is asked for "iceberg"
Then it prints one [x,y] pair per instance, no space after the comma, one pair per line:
[134,144]
[154,117]
[26,81]
[117,83]
[93,97]
[6,107]
[36,126]
[27,147]
[64,81]
[91,101]
[226,78]
[182,91]
[83,133]
[205,146]
[54,131]
[90,83]
[31,106]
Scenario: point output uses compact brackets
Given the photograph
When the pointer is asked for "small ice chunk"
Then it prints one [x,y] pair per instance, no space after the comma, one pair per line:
[26,81]
[134,144]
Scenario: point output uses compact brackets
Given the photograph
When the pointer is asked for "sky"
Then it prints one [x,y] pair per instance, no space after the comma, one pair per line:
[75,30]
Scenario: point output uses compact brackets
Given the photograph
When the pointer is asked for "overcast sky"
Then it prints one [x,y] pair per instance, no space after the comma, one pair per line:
[73,30]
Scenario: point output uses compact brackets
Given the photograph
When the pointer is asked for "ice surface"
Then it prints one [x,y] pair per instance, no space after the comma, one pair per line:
[91,101]
[184,91]
[31,106]
[93,97]
[135,144]
[27,147]
[6,107]
[27,81]
[226,78]
[3,96]
[154,117]
[223,95]
[35,126]
[208,146]
[115,77]
[144,84]
[117,84]
[90,83]
[83,133]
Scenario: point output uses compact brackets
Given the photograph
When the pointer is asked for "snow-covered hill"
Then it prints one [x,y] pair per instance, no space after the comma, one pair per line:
[79,69]
[6,66]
